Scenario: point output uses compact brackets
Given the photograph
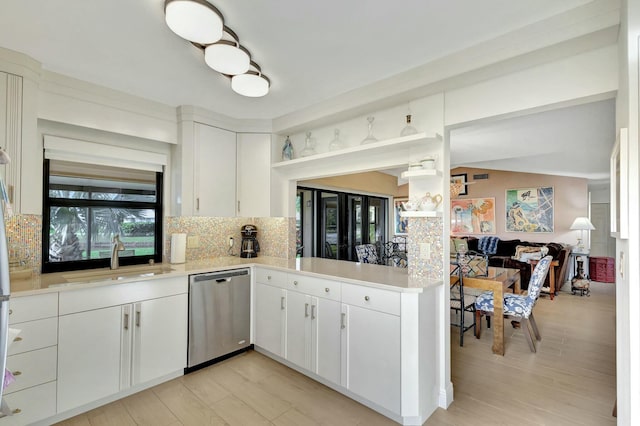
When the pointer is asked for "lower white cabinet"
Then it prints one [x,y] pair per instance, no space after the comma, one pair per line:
[104,351]
[371,356]
[269,317]
[31,404]
[313,334]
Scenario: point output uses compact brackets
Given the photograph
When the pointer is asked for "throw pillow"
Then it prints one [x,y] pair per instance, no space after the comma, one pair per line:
[524,253]
[488,245]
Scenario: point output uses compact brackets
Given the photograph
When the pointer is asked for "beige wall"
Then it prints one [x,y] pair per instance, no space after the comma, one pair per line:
[570,200]
[373,182]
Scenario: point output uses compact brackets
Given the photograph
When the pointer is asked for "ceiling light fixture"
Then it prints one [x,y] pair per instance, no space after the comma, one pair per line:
[252,83]
[227,56]
[195,20]
[199,22]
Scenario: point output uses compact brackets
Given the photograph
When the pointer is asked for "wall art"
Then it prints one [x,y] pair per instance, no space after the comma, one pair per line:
[473,216]
[529,209]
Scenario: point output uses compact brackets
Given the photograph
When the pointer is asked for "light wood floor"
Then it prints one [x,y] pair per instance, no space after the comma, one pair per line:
[569,381]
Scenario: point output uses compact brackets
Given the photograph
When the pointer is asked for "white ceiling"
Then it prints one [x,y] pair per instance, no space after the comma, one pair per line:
[311,50]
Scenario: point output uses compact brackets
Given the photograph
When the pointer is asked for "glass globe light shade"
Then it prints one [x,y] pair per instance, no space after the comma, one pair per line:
[251,84]
[195,20]
[227,57]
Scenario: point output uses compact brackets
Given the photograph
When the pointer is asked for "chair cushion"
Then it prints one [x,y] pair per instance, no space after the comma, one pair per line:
[514,304]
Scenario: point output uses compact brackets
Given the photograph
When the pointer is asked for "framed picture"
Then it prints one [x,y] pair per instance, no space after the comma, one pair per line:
[399,223]
[619,190]
[473,216]
[529,209]
[461,179]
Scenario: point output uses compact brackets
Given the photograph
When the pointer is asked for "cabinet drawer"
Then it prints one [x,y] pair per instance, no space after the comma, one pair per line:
[371,298]
[314,286]
[271,277]
[34,335]
[32,368]
[29,308]
[25,408]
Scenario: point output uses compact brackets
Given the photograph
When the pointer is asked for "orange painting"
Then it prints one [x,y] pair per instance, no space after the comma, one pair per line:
[473,216]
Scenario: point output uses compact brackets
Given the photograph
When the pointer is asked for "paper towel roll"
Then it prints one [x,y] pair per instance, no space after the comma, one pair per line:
[178,248]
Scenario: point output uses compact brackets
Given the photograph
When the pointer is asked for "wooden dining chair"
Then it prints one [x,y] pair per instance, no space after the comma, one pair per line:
[517,306]
[461,300]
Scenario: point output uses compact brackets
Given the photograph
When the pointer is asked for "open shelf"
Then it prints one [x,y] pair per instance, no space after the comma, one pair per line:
[420,173]
[387,153]
[421,213]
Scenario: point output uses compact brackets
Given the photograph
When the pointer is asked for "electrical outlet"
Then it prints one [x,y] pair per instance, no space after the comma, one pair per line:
[231,242]
[425,251]
[193,241]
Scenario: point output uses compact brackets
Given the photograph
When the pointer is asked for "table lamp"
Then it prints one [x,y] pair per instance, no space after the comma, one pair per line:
[582,224]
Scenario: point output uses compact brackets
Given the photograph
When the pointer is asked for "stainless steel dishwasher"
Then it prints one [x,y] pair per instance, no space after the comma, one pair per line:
[219,316]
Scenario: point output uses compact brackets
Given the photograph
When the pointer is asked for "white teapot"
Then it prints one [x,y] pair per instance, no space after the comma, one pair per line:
[430,203]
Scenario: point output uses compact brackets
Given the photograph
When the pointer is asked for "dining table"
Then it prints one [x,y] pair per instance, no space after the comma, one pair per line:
[498,280]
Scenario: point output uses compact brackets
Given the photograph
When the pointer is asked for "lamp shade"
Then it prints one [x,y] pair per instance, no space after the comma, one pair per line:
[252,84]
[582,224]
[227,57]
[195,20]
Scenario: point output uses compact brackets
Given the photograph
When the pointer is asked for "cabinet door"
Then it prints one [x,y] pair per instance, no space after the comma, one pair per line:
[298,328]
[254,174]
[325,338]
[270,305]
[215,172]
[160,337]
[88,356]
[373,356]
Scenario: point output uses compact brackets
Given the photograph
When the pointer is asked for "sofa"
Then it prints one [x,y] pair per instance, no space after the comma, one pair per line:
[502,255]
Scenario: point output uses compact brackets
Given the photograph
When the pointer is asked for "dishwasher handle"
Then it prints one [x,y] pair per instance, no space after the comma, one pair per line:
[218,276]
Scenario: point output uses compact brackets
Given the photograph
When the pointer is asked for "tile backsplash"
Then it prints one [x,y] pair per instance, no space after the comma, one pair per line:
[425,230]
[275,235]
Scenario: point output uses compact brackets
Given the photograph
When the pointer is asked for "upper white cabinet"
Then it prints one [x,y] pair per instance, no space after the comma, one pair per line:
[11,133]
[214,158]
[254,171]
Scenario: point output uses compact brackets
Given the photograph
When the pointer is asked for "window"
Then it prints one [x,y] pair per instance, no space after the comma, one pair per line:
[86,205]
[336,222]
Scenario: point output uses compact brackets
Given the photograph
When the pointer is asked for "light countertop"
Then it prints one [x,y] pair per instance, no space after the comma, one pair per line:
[386,277]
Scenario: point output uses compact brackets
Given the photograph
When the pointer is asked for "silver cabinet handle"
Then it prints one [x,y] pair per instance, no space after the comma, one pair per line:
[313,312]
[238,206]
[18,339]
[306,310]
[138,314]
[295,283]
[282,303]
[10,311]
[17,373]
[268,277]
[366,298]
[17,411]
[343,323]
[326,289]
[126,321]
[197,203]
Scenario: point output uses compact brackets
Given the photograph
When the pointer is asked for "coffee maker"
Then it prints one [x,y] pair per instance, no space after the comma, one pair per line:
[249,246]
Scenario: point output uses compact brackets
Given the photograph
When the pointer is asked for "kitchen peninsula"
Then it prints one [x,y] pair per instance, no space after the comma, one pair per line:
[367,331]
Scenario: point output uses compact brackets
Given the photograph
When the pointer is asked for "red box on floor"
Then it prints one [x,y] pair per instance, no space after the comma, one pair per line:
[602,269]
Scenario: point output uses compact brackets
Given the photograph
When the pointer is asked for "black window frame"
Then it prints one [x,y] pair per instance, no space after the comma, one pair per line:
[75,265]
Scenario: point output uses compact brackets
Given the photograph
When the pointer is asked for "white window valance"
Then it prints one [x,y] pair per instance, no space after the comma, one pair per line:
[79,151]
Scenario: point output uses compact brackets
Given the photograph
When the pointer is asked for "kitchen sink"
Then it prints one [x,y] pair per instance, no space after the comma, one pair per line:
[117,274]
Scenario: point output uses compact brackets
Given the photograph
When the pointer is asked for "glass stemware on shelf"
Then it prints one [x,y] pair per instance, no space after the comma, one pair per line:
[336,144]
[287,150]
[408,129]
[308,147]
[370,138]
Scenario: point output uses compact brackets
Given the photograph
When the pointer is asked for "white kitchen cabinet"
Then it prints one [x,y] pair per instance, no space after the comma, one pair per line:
[270,304]
[160,337]
[269,318]
[214,165]
[371,355]
[89,353]
[115,337]
[313,326]
[11,133]
[254,174]
[32,358]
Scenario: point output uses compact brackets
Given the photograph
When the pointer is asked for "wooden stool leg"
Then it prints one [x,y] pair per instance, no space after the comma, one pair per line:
[478,318]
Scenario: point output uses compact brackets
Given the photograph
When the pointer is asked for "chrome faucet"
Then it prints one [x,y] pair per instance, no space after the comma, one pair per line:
[115,248]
